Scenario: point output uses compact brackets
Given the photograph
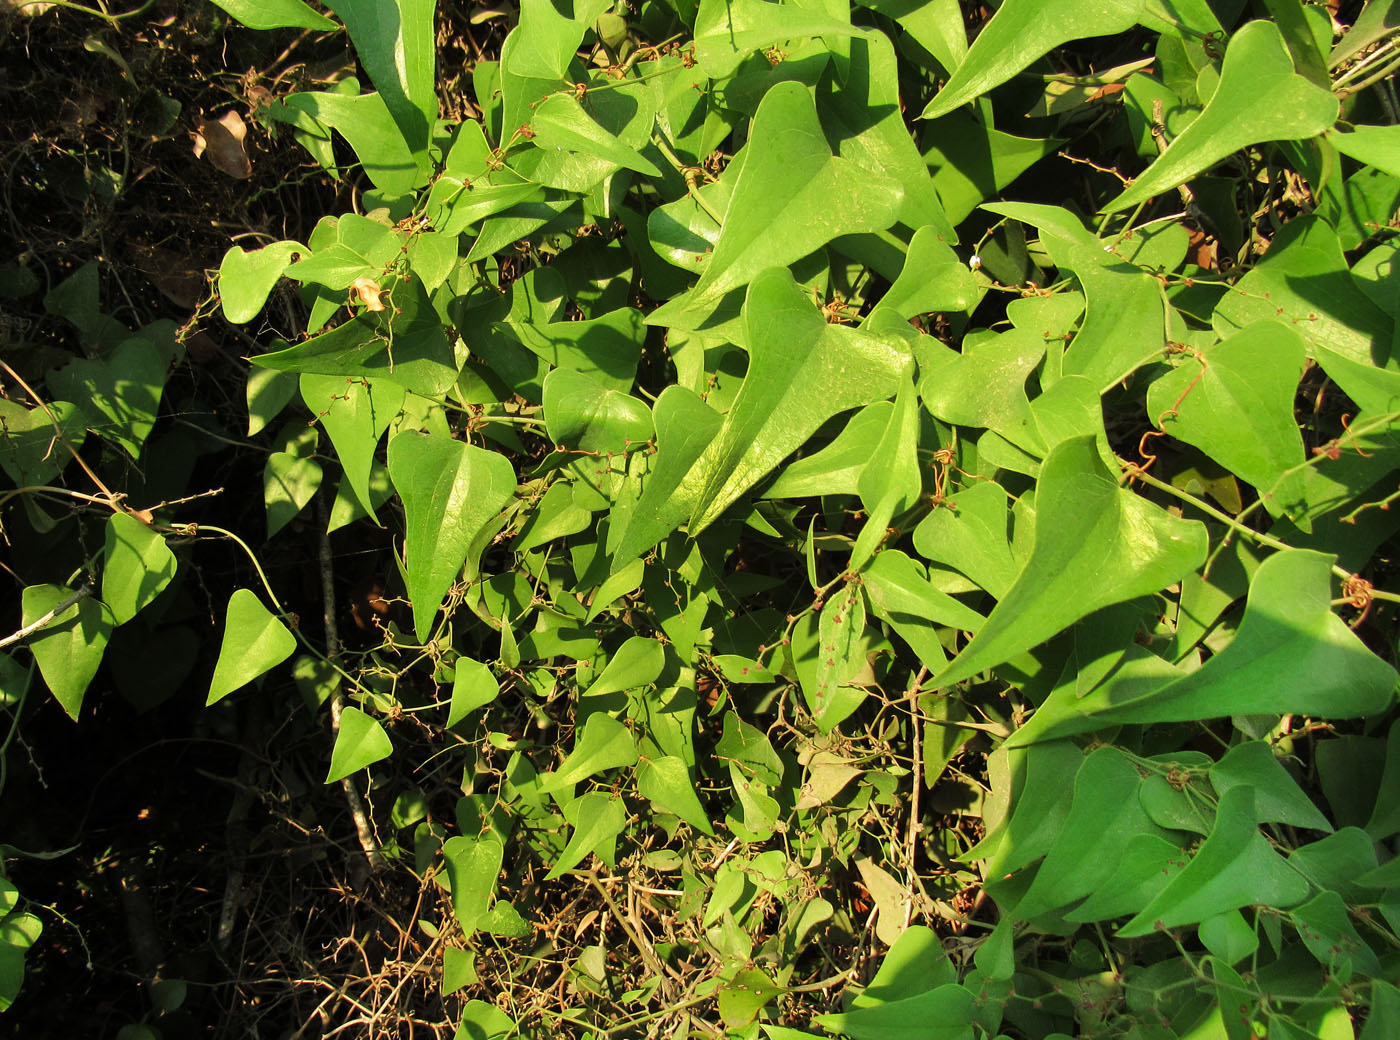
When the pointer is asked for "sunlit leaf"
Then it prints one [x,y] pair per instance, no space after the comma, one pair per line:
[254,642]
[361,742]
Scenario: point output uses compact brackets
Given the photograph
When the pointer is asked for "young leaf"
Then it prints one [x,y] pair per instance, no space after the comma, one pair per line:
[69,649]
[138,566]
[450,491]
[361,742]
[1096,544]
[254,642]
[1259,98]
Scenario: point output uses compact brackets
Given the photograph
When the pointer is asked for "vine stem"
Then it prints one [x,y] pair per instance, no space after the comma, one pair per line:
[363,831]
[1225,518]
[48,619]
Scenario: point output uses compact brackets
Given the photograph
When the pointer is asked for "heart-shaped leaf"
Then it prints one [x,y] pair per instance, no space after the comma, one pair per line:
[1259,98]
[1291,654]
[450,491]
[30,452]
[246,277]
[1019,33]
[598,818]
[666,782]
[583,413]
[473,686]
[355,413]
[1234,401]
[791,181]
[254,642]
[637,663]
[137,566]
[125,389]
[603,743]
[361,742]
[1086,526]
[69,649]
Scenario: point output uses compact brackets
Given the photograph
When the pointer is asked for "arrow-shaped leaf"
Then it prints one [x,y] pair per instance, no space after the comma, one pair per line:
[1259,98]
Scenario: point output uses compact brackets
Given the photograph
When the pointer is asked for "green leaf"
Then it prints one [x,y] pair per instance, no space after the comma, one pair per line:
[137,566]
[1291,654]
[254,642]
[473,686]
[933,278]
[396,42]
[582,413]
[744,996]
[361,742]
[246,276]
[450,491]
[367,123]
[1303,280]
[1235,403]
[69,649]
[126,389]
[404,343]
[1277,796]
[727,31]
[29,453]
[667,783]
[599,817]
[290,482]
[836,468]
[972,533]
[802,371]
[861,108]
[1096,544]
[458,969]
[560,122]
[1328,933]
[603,743]
[972,162]
[1019,33]
[944,1013]
[685,427]
[839,656]
[791,181]
[637,663]
[556,516]
[275,14]
[548,37]
[1235,866]
[472,866]
[1104,816]
[1259,98]
[355,414]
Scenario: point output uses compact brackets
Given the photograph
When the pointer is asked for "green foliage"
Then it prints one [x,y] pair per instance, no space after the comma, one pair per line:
[783,493]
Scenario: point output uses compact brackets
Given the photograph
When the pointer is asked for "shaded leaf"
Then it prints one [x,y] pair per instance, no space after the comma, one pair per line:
[69,649]
[137,566]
